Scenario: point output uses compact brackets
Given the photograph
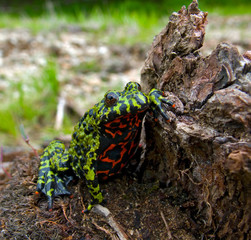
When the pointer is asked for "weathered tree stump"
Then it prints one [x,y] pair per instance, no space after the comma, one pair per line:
[203,156]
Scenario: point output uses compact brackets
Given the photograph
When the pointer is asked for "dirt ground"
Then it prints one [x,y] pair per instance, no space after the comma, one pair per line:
[143,211]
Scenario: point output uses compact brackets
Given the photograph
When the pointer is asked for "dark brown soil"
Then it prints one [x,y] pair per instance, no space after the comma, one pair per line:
[140,209]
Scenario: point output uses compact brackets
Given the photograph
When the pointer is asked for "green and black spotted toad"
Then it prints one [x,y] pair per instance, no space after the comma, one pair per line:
[103,142]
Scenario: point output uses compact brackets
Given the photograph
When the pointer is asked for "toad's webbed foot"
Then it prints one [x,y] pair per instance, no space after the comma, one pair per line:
[54,175]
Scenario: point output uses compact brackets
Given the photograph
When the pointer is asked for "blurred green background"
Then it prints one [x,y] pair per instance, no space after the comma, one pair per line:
[15,13]
[161,7]
[76,50]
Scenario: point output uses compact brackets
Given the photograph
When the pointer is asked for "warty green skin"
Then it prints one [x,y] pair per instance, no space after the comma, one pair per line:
[92,138]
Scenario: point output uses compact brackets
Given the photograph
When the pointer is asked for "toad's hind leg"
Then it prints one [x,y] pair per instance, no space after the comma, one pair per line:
[54,172]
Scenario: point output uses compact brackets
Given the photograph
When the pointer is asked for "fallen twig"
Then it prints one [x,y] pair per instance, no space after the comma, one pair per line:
[169,235]
[113,237]
[107,214]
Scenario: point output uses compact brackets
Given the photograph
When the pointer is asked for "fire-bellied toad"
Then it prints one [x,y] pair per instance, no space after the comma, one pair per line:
[103,142]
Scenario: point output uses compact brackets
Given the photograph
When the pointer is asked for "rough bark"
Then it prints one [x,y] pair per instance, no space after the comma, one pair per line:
[203,156]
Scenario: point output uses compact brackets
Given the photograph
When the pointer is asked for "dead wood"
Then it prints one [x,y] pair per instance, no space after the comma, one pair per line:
[203,156]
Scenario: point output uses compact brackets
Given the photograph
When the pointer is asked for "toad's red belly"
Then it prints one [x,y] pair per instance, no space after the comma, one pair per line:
[120,142]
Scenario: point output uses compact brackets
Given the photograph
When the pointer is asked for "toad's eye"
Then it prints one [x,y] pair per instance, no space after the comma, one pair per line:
[139,87]
[110,99]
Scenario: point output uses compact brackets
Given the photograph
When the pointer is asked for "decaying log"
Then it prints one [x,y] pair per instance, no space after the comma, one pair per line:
[204,154]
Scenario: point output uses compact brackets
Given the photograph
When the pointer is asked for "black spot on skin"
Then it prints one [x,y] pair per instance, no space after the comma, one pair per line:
[123,107]
[95,183]
[79,152]
[45,158]
[131,104]
[52,154]
[58,148]
[76,148]
[86,131]
[91,112]
[82,121]
[90,128]
[94,134]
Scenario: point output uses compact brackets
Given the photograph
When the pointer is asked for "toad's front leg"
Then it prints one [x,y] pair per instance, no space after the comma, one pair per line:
[156,98]
[93,185]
